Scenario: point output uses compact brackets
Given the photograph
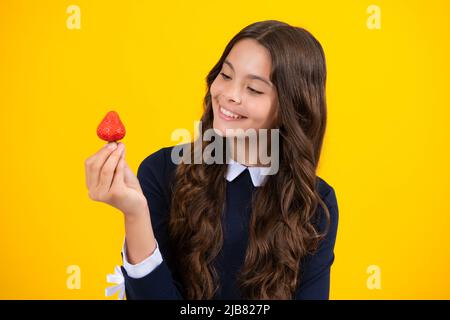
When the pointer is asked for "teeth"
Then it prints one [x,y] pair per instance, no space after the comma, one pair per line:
[230,114]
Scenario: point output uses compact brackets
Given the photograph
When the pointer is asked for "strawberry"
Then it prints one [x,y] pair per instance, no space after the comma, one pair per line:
[111,128]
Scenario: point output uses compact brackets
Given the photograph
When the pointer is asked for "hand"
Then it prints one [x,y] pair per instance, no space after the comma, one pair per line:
[109,179]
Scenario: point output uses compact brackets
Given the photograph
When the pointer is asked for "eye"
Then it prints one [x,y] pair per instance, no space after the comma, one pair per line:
[225,76]
[253,90]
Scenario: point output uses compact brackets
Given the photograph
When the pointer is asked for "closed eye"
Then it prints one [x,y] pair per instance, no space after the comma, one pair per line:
[253,90]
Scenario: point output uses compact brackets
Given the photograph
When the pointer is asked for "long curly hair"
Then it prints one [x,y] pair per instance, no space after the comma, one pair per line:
[284,211]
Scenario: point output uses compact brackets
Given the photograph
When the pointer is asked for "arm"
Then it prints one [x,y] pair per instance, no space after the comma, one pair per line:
[140,239]
[144,267]
[315,279]
[158,281]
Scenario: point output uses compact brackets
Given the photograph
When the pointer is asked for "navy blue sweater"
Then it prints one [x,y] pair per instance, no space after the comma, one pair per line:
[155,175]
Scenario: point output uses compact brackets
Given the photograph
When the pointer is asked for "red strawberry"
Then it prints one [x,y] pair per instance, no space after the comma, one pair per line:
[111,128]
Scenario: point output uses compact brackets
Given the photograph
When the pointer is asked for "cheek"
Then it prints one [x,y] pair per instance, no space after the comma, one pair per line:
[261,113]
[215,89]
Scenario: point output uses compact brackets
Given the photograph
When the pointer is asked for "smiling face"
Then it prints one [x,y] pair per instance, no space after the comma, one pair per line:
[242,95]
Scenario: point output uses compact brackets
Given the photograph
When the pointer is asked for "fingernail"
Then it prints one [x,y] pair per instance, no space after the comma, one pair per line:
[112,145]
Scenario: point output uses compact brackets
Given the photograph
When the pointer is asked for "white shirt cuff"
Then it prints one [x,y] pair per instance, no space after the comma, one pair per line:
[144,267]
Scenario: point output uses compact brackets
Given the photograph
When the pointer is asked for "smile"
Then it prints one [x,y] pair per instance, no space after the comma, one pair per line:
[228,115]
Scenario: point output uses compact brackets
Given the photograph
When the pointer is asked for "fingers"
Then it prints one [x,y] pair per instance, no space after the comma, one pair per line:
[120,171]
[108,170]
[128,172]
[130,179]
[94,164]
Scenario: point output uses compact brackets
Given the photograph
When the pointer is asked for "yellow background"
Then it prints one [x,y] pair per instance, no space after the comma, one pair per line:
[385,153]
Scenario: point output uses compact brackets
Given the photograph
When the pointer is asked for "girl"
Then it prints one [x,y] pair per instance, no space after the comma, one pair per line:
[230,230]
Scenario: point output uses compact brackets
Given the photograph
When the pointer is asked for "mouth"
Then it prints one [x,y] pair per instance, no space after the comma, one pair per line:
[229,115]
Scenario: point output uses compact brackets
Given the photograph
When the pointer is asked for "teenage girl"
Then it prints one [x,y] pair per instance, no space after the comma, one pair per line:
[229,230]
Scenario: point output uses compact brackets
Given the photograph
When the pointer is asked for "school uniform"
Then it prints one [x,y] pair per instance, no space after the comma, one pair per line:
[155,277]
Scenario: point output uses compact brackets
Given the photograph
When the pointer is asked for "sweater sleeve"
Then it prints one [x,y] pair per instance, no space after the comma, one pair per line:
[144,267]
[162,282]
[315,278]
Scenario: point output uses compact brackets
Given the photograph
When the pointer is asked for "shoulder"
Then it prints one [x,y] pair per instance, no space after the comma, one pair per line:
[156,175]
[159,163]
[159,167]
[328,195]
[157,159]
[326,192]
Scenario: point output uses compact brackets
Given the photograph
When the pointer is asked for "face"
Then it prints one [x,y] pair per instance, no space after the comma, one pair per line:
[242,95]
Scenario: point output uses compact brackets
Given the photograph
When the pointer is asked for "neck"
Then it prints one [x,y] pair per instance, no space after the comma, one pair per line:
[246,154]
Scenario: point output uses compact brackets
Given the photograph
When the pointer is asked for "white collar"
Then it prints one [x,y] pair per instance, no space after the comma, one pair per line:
[257,174]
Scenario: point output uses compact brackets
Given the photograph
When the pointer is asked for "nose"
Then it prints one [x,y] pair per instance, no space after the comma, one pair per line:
[233,94]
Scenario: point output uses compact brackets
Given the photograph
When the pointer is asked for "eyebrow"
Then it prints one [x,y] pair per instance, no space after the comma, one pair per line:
[251,76]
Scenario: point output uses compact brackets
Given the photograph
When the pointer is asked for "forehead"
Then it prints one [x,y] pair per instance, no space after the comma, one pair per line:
[249,57]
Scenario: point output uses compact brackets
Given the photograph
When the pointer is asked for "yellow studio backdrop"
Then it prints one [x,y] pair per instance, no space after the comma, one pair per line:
[385,150]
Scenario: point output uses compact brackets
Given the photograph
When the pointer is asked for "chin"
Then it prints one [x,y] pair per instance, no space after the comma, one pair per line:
[218,128]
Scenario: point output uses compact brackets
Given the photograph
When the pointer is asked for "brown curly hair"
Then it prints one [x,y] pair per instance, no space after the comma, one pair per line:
[282,226]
